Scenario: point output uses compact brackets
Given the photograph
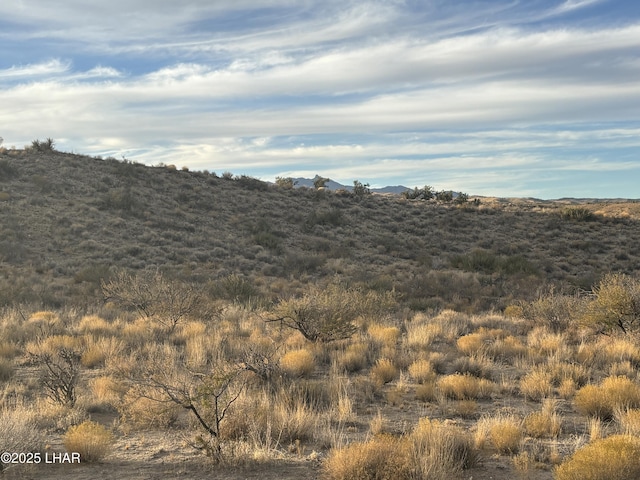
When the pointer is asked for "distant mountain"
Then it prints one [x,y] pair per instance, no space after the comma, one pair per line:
[332,185]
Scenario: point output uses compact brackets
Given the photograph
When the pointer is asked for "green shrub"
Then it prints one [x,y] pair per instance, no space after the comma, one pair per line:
[615,304]
[476,261]
[578,214]
[43,145]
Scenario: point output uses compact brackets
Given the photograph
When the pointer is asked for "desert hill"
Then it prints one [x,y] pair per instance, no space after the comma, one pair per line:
[67,221]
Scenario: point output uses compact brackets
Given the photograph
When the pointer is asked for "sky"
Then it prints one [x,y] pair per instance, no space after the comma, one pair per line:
[521,98]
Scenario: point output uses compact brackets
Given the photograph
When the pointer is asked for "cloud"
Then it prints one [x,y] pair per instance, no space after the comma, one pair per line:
[23,72]
[570,5]
[391,86]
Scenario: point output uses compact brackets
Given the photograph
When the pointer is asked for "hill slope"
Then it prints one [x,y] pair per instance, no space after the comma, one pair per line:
[68,220]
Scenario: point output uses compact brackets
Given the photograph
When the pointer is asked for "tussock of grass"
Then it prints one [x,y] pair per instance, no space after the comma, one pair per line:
[612,458]
[465,387]
[601,401]
[91,440]
[384,371]
[298,363]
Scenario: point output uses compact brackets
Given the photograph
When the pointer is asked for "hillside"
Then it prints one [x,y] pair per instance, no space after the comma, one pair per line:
[255,331]
[69,220]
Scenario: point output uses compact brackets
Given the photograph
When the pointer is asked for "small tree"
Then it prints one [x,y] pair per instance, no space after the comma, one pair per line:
[444,196]
[425,193]
[207,394]
[360,190]
[462,198]
[615,304]
[286,183]
[47,145]
[320,182]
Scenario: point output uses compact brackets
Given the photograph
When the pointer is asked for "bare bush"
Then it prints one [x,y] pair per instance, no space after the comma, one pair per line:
[59,374]
[153,296]
[327,314]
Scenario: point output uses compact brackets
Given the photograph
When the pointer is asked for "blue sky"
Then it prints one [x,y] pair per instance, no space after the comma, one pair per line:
[507,98]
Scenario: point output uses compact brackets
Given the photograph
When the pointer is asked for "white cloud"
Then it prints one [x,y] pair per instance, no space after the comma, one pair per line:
[51,67]
[364,84]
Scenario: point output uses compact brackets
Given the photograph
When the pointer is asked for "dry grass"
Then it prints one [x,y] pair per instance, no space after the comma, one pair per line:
[298,363]
[354,358]
[19,432]
[384,371]
[465,387]
[440,451]
[95,325]
[107,390]
[91,440]
[613,458]
[427,392]
[422,371]
[384,335]
[628,420]
[472,343]
[383,456]
[421,333]
[432,450]
[8,350]
[602,401]
[6,369]
[503,432]
[544,423]
[536,384]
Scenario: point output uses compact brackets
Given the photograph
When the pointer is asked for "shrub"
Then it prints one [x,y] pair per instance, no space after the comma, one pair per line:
[440,451]
[59,374]
[504,432]
[327,314]
[612,458]
[427,392]
[360,189]
[91,440]
[422,371]
[476,261]
[536,384]
[552,310]
[154,296]
[384,371]
[354,358]
[465,387]
[602,401]
[18,432]
[47,145]
[298,363]
[285,182]
[387,336]
[629,420]
[578,214]
[544,423]
[616,304]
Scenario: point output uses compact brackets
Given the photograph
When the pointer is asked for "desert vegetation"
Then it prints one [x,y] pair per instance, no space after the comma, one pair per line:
[177,321]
